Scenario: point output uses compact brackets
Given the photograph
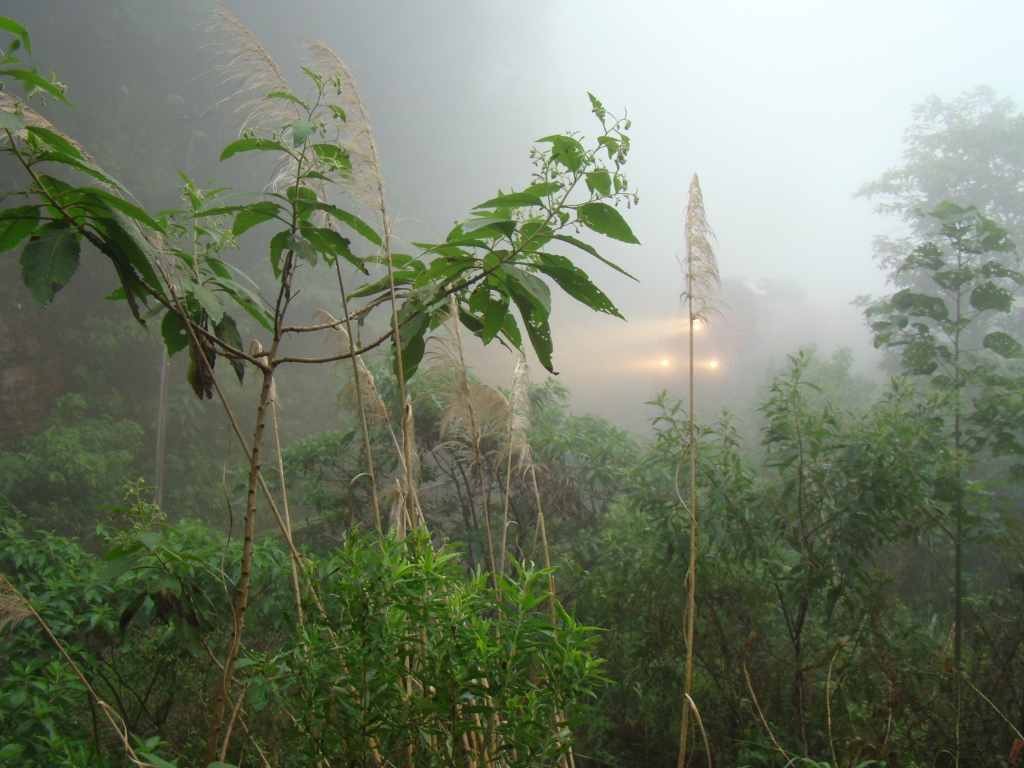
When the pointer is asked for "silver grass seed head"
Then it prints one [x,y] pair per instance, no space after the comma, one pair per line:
[699,264]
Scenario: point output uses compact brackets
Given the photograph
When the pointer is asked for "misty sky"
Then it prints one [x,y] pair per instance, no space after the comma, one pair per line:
[784,109]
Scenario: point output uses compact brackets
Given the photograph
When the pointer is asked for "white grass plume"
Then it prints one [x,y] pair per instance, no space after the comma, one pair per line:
[518,443]
[367,181]
[13,607]
[699,264]
[251,74]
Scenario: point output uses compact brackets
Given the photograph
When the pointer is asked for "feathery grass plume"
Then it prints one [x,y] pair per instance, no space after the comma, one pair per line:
[475,410]
[518,443]
[13,607]
[251,74]
[367,182]
[700,269]
[356,134]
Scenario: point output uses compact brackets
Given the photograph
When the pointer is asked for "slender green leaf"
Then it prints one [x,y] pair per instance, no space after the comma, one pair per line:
[10,25]
[593,252]
[32,79]
[250,144]
[512,200]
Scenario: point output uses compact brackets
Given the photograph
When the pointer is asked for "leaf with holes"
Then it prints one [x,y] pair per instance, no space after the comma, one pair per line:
[49,260]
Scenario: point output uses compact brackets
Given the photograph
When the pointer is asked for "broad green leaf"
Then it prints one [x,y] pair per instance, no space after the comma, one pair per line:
[536,288]
[250,144]
[494,318]
[500,226]
[158,761]
[333,155]
[994,268]
[251,215]
[16,224]
[301,130]
[11,121]
[565,150]
[49,260]
[303,248]
[174,333]
[575,282]
[217,763]
[512,200]
[208,301]
[600,182]
[919,358]
[606,220]
[593,252]
[920,305]
[1004,345]
[991,296]
[10,25]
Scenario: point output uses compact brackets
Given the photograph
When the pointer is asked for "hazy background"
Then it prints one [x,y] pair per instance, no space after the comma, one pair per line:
[784,109]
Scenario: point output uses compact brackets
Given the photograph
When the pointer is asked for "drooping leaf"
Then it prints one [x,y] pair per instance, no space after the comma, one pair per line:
[227,331]
[606,220]
[600,182]
[11,121]
[174,333]
[532,285]
[593,252]
[353,221]
[10,25]
[1003,344]
[208,300]
[16,224]
[304,249]
[49,260]
[575,282]
[301,130]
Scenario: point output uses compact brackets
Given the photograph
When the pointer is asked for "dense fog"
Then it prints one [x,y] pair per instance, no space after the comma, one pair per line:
[628,384]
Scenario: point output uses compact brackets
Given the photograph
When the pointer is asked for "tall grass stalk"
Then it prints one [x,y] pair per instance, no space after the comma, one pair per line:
[700,269]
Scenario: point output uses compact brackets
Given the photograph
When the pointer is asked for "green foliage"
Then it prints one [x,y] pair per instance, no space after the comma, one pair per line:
[63,473]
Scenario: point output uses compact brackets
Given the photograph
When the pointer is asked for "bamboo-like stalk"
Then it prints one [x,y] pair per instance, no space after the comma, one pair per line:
[517,442]
[359,400]
[701,272]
